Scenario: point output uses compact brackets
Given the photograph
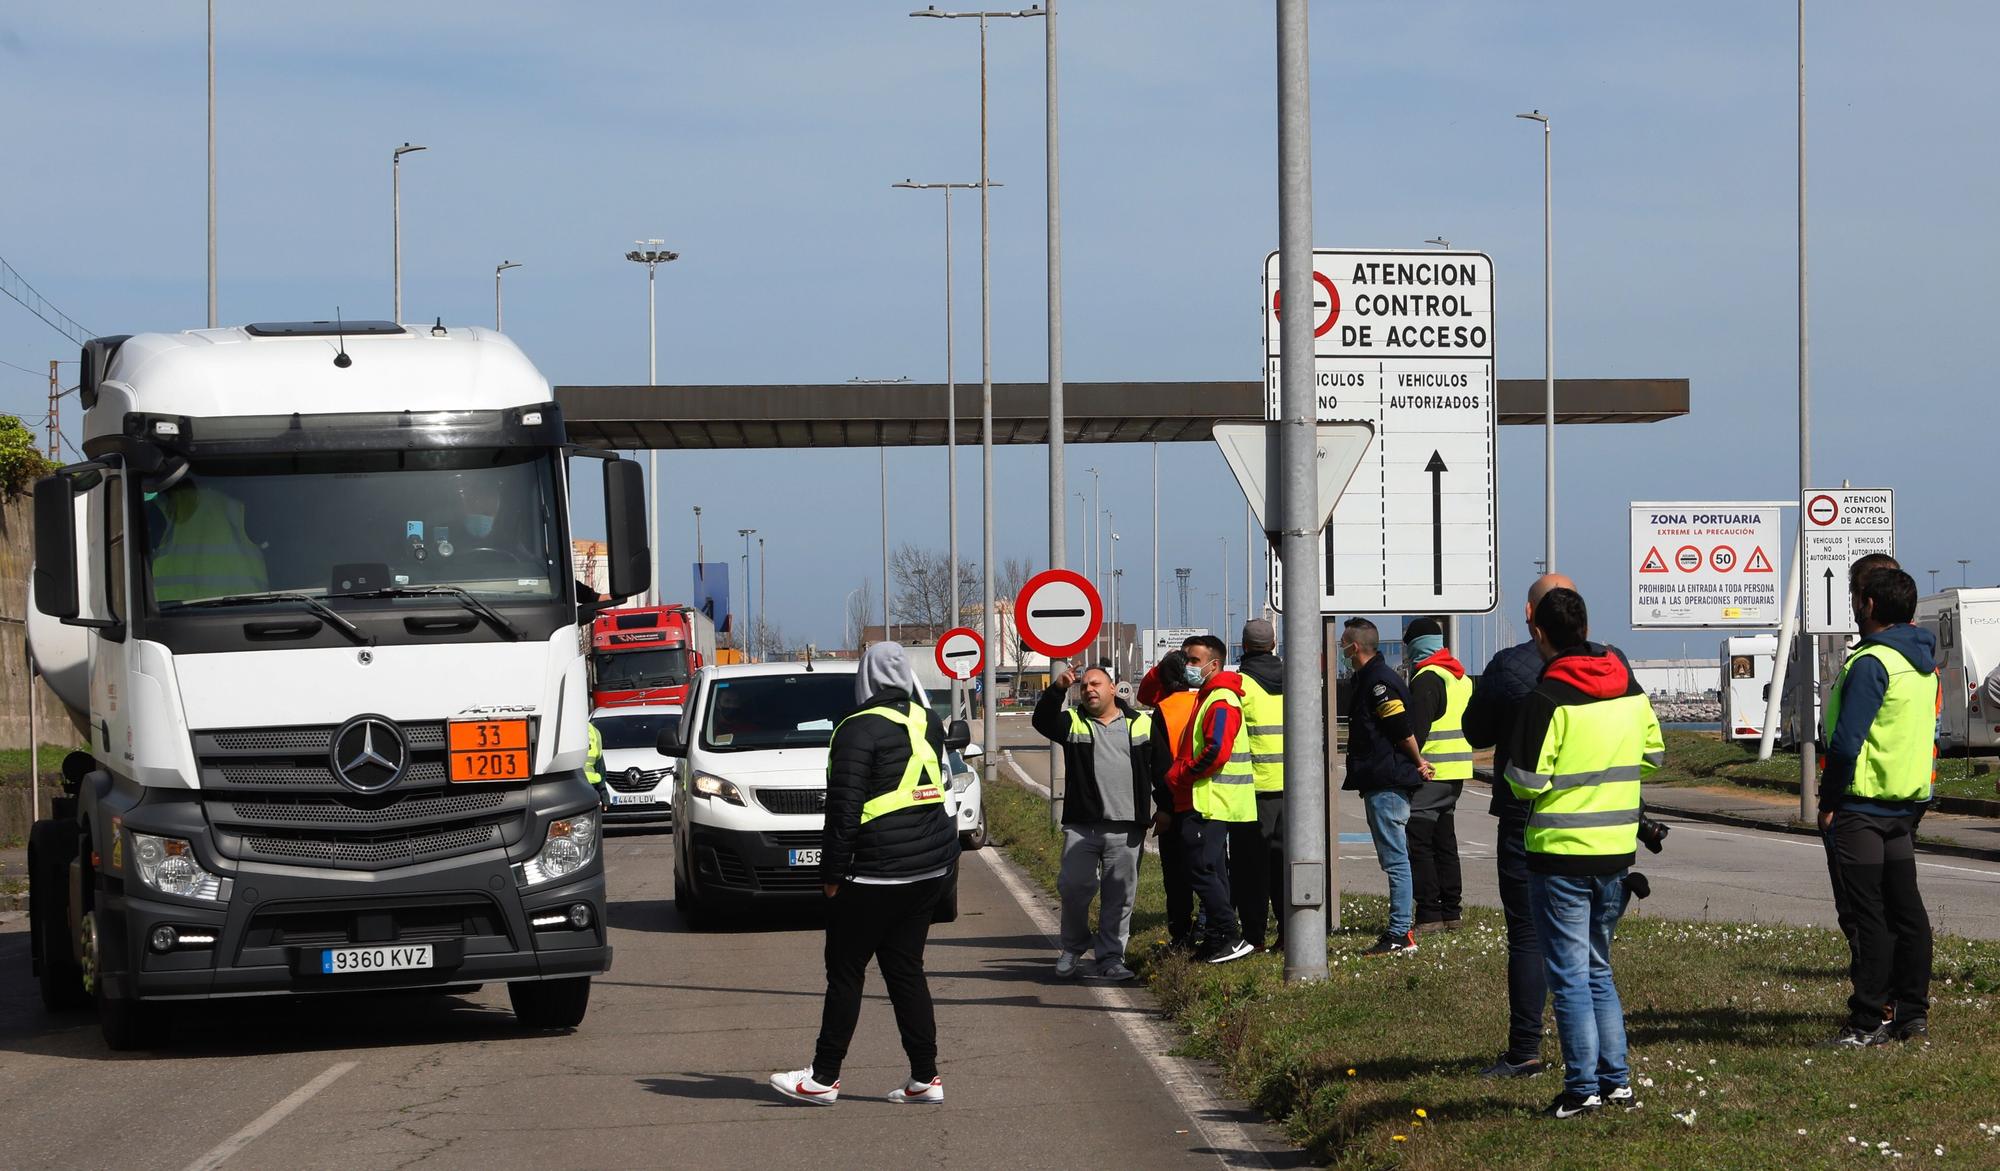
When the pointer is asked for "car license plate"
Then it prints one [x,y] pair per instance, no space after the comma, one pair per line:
[632,799]
[802,857]
[346,961]
[488,750]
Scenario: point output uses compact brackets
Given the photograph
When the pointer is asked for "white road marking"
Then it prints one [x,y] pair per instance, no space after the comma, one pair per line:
[1790,840]
[1148,1036]
[268,1119]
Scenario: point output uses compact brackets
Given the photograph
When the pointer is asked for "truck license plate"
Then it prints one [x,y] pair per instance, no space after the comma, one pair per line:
[802,857]
[344,961]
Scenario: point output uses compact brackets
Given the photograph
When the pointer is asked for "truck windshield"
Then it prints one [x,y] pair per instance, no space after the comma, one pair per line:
[633,670]
[796,710]
[328,524]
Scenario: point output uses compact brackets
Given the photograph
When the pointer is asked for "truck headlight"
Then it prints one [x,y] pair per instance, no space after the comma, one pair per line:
[713,786]
[168,865]
[571,844]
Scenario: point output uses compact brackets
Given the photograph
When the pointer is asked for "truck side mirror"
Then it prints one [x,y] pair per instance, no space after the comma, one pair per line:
[55,547]
[670,742]
[957,736]
[630,558]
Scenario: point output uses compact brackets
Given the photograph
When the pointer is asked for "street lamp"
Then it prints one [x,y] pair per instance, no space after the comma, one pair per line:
[950,387]
[1933,574]
[503,266]
[650,254]
[1963,562]
[396,216]
[989,679]
[213,319]
[1440,241]
[1548,354]
[750,622]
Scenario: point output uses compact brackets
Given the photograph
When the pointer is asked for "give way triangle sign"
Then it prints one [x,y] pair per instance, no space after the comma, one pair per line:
[1252,452]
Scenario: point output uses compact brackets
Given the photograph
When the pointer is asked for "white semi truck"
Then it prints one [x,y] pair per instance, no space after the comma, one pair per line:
[308,601]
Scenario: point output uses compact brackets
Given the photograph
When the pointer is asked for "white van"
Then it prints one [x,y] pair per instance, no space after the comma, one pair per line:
[750,797]
[1747,662]
[1967,626]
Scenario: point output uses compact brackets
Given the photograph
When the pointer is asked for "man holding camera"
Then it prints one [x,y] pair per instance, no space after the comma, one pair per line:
[1588,738]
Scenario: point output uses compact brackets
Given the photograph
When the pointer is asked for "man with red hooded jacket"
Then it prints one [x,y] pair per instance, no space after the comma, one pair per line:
[1215,763]
[1439,693]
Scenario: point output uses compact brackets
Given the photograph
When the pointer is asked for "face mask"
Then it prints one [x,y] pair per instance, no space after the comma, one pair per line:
[1347,659]
[1192,675]
[478,525]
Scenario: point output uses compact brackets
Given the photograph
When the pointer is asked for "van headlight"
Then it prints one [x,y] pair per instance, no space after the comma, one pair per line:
[570,846]
[707,785]
[168,865]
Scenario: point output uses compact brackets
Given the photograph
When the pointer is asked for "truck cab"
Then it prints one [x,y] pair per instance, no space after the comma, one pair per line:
[308,601]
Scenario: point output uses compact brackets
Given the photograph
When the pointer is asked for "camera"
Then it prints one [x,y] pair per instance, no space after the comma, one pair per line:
[1653,834]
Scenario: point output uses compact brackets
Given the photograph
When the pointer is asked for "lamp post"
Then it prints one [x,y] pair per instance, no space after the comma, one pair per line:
[1440,241]
[650,254]
[503,266]
[1548,355]
[883,458]
[750,635]
[396,216]
[1933,574]
[1963,563]
[762,580]
[1224,632]
[950,388]
[989,681]
[1082,532]
[213,318]
[1104,582]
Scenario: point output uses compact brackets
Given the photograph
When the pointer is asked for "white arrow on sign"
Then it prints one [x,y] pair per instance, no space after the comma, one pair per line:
[1252,452]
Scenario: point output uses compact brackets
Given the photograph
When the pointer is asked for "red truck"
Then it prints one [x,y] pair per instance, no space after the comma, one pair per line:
[648,654]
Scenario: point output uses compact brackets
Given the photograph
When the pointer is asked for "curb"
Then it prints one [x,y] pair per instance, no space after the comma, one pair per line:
[1964,806]
[1924,845]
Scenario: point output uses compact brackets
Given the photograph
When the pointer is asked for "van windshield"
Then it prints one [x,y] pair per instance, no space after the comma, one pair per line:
[797,710]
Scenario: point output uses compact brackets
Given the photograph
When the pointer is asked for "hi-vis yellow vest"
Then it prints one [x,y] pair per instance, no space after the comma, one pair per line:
[1229,795]
[1584,779]
[593,757]
[1446,747]
[923,777]
[1898,759]
[206,552]
[1264,720]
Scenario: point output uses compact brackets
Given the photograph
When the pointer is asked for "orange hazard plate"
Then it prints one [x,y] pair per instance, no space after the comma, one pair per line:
[488,750]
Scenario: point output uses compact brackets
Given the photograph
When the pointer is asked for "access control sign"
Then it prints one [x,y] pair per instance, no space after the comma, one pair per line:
[1403,341]
[1706,564]
[1841,526]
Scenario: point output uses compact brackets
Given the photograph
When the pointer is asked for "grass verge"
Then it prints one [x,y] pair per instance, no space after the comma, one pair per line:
[1377,1066]
[1703,758]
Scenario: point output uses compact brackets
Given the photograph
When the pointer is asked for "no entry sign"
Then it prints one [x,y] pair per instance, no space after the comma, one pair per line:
[1842,525]
[1058,612]
[960,654]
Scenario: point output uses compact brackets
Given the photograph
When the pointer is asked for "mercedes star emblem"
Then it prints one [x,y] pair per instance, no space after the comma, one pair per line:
[368,754]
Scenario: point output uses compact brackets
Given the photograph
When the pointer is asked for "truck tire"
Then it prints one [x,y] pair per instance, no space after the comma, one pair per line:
[550,1004]
[51,846]
[126,1024]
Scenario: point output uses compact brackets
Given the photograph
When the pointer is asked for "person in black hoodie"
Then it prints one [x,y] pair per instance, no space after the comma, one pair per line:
[1491,719]
[886,857]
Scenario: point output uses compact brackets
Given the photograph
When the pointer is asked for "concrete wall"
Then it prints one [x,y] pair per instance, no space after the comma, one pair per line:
[16,556]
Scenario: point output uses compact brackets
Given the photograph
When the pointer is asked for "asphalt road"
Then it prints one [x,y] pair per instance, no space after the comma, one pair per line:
[1707,871]
[669,1067]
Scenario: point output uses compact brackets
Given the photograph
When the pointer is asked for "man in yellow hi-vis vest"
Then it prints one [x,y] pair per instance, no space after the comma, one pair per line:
[1257,849]
[1439,693]
[1587,740]
[886,856]
[1216,763]
[1880,759]
[205,552]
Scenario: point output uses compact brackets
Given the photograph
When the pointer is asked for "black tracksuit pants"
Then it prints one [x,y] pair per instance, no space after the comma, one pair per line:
[1256,868]
[1174,874]
[888,924]
[1440,887]
[1876,861]
[1527,980]
[1204,844]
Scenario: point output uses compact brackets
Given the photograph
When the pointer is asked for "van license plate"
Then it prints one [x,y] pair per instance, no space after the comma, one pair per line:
[633,799]
[346,961]
[803,857]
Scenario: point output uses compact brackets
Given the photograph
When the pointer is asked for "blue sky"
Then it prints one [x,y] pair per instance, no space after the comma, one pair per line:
[761,140]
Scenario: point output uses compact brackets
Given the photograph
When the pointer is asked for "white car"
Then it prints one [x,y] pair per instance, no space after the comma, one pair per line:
[966,800]
[638,780]
[750,797]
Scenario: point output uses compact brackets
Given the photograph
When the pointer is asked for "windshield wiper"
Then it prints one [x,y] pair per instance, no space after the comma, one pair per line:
[470,600]
[317,606]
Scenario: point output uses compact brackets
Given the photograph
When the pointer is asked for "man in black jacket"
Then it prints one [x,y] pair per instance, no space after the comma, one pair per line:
[1116,762]
[886,856]
[1492,719]
[1385,764]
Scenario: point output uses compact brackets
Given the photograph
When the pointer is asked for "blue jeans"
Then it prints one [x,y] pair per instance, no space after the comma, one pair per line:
[1388,822]
[1575,916]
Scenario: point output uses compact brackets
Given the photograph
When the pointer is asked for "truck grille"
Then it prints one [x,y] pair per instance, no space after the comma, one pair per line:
[793,801]
[271,796]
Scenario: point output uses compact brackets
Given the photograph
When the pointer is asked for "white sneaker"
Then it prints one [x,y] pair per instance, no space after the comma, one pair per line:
[1066,964]
[799,1086]
[919,1093]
